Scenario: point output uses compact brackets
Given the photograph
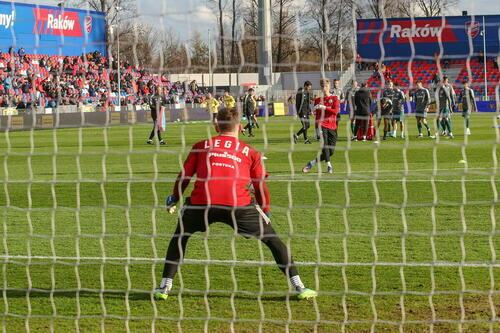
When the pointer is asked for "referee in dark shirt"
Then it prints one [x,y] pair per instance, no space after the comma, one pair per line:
[155,102]
[303,107]
[249,105]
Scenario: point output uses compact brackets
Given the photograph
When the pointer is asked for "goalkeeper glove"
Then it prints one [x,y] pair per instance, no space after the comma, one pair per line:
[171,203]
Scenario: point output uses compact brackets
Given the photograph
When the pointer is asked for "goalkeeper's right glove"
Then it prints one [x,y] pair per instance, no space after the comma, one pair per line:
[171,203]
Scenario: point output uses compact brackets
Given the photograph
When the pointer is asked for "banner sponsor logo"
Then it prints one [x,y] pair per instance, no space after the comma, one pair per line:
[7,20]
[472,28]
[56,22]
[115,117]
[87,108]
[88,24]
[47,121]
[404,31]
[9,112]
[17,122]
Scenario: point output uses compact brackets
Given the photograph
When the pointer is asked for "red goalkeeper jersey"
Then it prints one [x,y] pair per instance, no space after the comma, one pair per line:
[328,117]
[224,167]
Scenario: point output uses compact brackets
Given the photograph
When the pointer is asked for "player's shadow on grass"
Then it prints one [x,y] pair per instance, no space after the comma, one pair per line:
[136,296]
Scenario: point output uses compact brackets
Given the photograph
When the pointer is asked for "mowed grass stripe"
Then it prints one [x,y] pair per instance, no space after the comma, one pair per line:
[113,212]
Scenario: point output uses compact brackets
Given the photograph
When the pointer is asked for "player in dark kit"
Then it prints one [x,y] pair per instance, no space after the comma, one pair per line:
[468,104]
[445,99]
[398,112]
[155,102]
[225,167]
[303,107]
[352,106]
[327,109]
[385,113]
[249,105]
[422,99]
[389,93]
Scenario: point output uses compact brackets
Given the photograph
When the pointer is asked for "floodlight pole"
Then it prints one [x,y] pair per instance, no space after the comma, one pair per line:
[265,49]
[484,62]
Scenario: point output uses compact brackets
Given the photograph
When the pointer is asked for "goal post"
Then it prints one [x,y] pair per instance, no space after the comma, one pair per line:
[402,235]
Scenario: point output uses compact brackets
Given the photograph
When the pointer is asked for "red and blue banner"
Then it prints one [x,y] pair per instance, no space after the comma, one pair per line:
[51,30]
[426,37]
[161,121]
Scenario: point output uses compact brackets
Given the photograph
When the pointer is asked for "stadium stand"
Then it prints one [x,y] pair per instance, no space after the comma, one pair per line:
[48,81]
[398,72]
[476,76]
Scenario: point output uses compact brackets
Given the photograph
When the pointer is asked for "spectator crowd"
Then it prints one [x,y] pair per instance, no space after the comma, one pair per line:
[91,79]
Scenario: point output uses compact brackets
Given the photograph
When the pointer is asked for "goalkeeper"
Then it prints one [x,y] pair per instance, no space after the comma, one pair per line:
[224,167]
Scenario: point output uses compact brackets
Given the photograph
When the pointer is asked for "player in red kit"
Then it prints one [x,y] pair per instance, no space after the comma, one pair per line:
[327,109]
[225,167]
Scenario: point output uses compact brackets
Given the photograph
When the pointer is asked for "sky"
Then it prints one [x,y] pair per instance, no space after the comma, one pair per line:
[186,16]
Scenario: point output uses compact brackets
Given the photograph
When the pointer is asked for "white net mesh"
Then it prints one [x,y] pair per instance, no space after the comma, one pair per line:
[403,234]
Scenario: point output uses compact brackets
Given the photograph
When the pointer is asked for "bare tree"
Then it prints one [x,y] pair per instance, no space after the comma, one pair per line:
[173,52]
[234,17]
[284,27]
[435,7]
[220,6]
[319,13]
[250,34]
[138,44]
[381,8]
[110,10]
[198,52]
[407,8]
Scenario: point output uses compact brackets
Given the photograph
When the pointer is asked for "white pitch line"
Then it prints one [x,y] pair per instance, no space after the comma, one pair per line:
[324,179]
[409,171]
[255,262]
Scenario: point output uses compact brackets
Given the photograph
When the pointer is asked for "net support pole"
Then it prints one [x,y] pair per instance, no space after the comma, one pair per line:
[265,49]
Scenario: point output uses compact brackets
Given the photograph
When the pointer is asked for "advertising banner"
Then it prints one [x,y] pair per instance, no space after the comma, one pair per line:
[427,37]
[51,30]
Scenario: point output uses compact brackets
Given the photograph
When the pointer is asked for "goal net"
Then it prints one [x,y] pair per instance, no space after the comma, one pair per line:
[402,235]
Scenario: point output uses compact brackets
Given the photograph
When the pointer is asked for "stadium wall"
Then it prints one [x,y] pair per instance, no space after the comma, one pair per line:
[455,37]
[71,116]
[87,116]
[285,80]
[51,30]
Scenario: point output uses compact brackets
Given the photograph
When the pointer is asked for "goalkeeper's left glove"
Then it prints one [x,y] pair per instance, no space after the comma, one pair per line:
[171,203]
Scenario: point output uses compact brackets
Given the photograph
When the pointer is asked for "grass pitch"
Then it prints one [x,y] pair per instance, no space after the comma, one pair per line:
[401,235]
